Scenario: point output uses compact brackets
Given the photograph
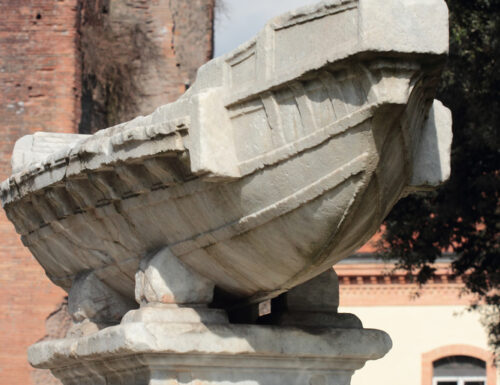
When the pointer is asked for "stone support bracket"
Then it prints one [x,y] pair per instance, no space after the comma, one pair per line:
[175,338]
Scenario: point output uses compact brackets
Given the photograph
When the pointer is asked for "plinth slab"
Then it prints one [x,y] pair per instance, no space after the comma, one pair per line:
[175,353]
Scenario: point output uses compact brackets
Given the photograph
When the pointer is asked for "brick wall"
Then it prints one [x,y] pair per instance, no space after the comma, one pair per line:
[39,82]
[377,284]
[42,69]
[138,55]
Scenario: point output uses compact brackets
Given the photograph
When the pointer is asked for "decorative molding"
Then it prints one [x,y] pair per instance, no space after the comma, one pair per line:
[377,284]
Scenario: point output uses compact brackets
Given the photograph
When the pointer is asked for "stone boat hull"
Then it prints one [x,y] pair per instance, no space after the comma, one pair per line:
[279,162]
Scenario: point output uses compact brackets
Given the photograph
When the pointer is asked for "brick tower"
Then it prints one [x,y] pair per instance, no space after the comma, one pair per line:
[79,66]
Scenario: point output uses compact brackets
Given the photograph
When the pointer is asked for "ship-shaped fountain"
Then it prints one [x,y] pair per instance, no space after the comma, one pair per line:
[282,159]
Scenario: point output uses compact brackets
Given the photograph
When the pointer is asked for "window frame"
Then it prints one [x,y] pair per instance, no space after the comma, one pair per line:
[457,350]
[460,380]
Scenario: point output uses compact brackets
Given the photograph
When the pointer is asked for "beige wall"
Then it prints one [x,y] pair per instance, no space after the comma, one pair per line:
[415,330]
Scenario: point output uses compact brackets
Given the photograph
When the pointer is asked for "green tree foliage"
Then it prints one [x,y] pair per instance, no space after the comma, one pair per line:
[463,215]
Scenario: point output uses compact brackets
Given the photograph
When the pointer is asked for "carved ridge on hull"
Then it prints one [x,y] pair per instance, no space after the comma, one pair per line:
[159,168]
[285,205]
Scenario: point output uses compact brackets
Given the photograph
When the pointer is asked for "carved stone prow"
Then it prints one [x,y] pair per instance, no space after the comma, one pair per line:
[431,165]
[31,149]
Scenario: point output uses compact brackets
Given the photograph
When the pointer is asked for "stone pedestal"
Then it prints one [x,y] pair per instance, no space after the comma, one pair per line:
[197,354]
[175,338]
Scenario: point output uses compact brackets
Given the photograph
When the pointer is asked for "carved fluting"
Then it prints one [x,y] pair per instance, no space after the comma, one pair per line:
[83,193]
[96,189]
[161,174]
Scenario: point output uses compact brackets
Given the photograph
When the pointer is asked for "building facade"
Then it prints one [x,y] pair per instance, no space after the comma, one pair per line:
[437,340]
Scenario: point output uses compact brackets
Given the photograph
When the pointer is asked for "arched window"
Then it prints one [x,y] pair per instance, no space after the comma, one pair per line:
[458,365]
[459,370]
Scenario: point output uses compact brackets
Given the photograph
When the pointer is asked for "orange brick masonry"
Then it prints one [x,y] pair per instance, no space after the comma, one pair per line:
[39,83]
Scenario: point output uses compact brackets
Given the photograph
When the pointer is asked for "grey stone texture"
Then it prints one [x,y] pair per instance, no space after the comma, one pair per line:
[282,159]
[432,157]
[315,304]
[162,278]
[93,305]
[197,354]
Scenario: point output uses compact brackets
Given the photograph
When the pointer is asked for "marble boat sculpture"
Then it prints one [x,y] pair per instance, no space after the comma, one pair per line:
[281,160]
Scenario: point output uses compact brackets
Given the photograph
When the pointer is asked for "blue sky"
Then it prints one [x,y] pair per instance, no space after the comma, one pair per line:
[242,19]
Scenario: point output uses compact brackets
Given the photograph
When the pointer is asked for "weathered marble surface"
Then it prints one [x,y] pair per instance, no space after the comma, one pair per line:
[186,342]
[282,159]
[197,354]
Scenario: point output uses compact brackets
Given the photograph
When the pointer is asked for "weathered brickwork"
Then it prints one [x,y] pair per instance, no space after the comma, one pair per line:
[138,55]
[42,69]
[39,83]
[376,284]
[39,74]
[56,326]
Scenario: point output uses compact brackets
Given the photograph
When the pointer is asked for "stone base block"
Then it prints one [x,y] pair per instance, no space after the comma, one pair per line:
[197,354]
